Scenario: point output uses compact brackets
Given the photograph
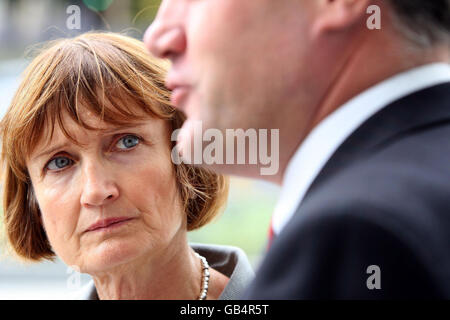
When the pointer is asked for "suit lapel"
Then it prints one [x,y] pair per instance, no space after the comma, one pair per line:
[422,109]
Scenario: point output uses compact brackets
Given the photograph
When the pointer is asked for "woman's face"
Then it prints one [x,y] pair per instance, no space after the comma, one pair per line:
[112,200]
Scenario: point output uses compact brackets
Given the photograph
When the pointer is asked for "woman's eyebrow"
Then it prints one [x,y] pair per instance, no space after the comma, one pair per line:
[122,127]
[51,150]
[103,131]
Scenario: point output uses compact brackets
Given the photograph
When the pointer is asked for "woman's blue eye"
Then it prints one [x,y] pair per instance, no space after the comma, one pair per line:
[127,142]
[58,163]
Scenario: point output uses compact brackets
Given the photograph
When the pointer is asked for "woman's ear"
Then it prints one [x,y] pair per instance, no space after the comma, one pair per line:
[339,15]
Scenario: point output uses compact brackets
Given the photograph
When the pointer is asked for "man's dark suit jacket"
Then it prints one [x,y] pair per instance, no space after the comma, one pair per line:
[382,199]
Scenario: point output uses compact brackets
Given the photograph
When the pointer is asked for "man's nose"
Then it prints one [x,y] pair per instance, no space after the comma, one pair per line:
[165,37]
[98,188]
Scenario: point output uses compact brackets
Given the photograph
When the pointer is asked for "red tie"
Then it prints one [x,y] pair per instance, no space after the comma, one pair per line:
[270,235]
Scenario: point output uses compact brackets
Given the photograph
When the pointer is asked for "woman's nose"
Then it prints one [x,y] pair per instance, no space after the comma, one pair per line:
[165,37]
[97,187]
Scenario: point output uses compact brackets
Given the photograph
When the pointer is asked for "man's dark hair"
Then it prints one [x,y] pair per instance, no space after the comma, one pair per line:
[425,21]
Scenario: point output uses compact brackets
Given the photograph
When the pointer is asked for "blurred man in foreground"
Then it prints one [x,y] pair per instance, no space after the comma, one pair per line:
[363,108]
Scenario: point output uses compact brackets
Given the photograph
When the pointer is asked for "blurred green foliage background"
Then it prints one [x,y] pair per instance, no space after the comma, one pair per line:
[246,220]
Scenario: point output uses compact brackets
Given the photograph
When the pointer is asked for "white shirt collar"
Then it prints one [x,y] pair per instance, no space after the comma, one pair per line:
[330,133]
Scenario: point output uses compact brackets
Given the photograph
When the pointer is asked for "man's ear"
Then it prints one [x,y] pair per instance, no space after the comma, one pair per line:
[339,15]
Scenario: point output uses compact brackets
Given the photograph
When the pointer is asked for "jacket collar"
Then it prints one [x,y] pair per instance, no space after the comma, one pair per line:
[417,111]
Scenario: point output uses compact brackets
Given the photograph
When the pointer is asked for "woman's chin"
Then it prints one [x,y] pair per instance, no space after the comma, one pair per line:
[110,254]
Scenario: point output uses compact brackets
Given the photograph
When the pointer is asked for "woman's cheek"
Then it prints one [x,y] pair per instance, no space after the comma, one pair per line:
[156,181]
[59,214]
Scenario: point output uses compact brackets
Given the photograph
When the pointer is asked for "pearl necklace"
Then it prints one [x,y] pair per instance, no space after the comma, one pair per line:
[205,277]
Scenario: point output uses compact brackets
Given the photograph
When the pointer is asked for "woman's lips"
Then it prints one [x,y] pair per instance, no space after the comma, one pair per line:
[108,224]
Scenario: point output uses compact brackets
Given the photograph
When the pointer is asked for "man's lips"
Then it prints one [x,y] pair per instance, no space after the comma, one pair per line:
[108,223]
[180,87]
[178,96]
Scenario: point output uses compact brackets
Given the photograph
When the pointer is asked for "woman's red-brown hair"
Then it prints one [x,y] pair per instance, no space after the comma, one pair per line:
[93,68]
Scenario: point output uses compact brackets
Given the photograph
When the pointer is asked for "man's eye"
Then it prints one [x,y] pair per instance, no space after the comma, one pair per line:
[59,163]
[127,142]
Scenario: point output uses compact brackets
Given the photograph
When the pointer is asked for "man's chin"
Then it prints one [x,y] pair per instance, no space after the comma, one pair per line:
[200,145]
[185,140]
[192,146]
